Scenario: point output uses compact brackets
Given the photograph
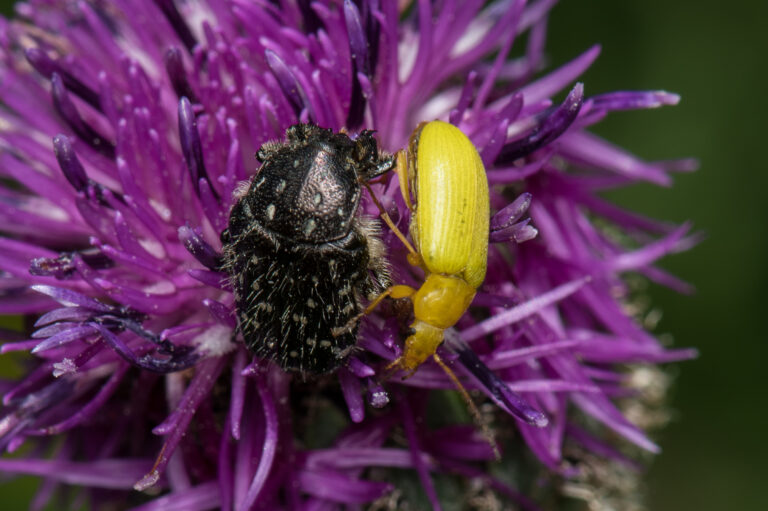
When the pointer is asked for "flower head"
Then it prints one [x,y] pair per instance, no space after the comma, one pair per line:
[125,130]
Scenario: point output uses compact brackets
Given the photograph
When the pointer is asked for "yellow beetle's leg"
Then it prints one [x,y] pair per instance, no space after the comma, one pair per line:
[392,368]
[399,291]
[487,433]
[387,220]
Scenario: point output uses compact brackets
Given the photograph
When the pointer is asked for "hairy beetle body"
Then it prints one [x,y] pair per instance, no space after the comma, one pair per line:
[300,258]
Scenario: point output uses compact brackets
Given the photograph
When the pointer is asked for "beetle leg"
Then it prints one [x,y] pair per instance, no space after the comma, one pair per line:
[382,168]
[391,369]
[399,291]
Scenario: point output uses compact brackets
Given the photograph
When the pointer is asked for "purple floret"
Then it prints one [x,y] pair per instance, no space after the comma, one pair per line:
[127,128]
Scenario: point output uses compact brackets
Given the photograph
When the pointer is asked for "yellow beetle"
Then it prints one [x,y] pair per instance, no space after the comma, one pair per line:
[449,227]
[443,172]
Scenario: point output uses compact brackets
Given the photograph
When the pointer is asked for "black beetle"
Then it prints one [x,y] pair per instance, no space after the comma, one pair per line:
[300,258]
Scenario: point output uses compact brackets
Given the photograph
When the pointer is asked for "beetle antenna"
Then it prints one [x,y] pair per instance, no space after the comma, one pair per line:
[487,433]
[387,220]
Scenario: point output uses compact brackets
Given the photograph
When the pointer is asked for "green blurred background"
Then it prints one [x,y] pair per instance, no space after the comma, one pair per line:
[714,56]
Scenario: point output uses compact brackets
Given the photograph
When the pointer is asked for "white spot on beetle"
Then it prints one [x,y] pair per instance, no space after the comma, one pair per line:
[281,186]
[271,211]
[325,344]
[309,226]
[311,303]
[294,353]
[318,198]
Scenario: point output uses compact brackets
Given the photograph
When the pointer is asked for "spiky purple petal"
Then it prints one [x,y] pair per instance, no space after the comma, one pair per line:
[111,236]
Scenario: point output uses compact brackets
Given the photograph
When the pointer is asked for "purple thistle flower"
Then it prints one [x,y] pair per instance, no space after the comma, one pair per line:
[126,128]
